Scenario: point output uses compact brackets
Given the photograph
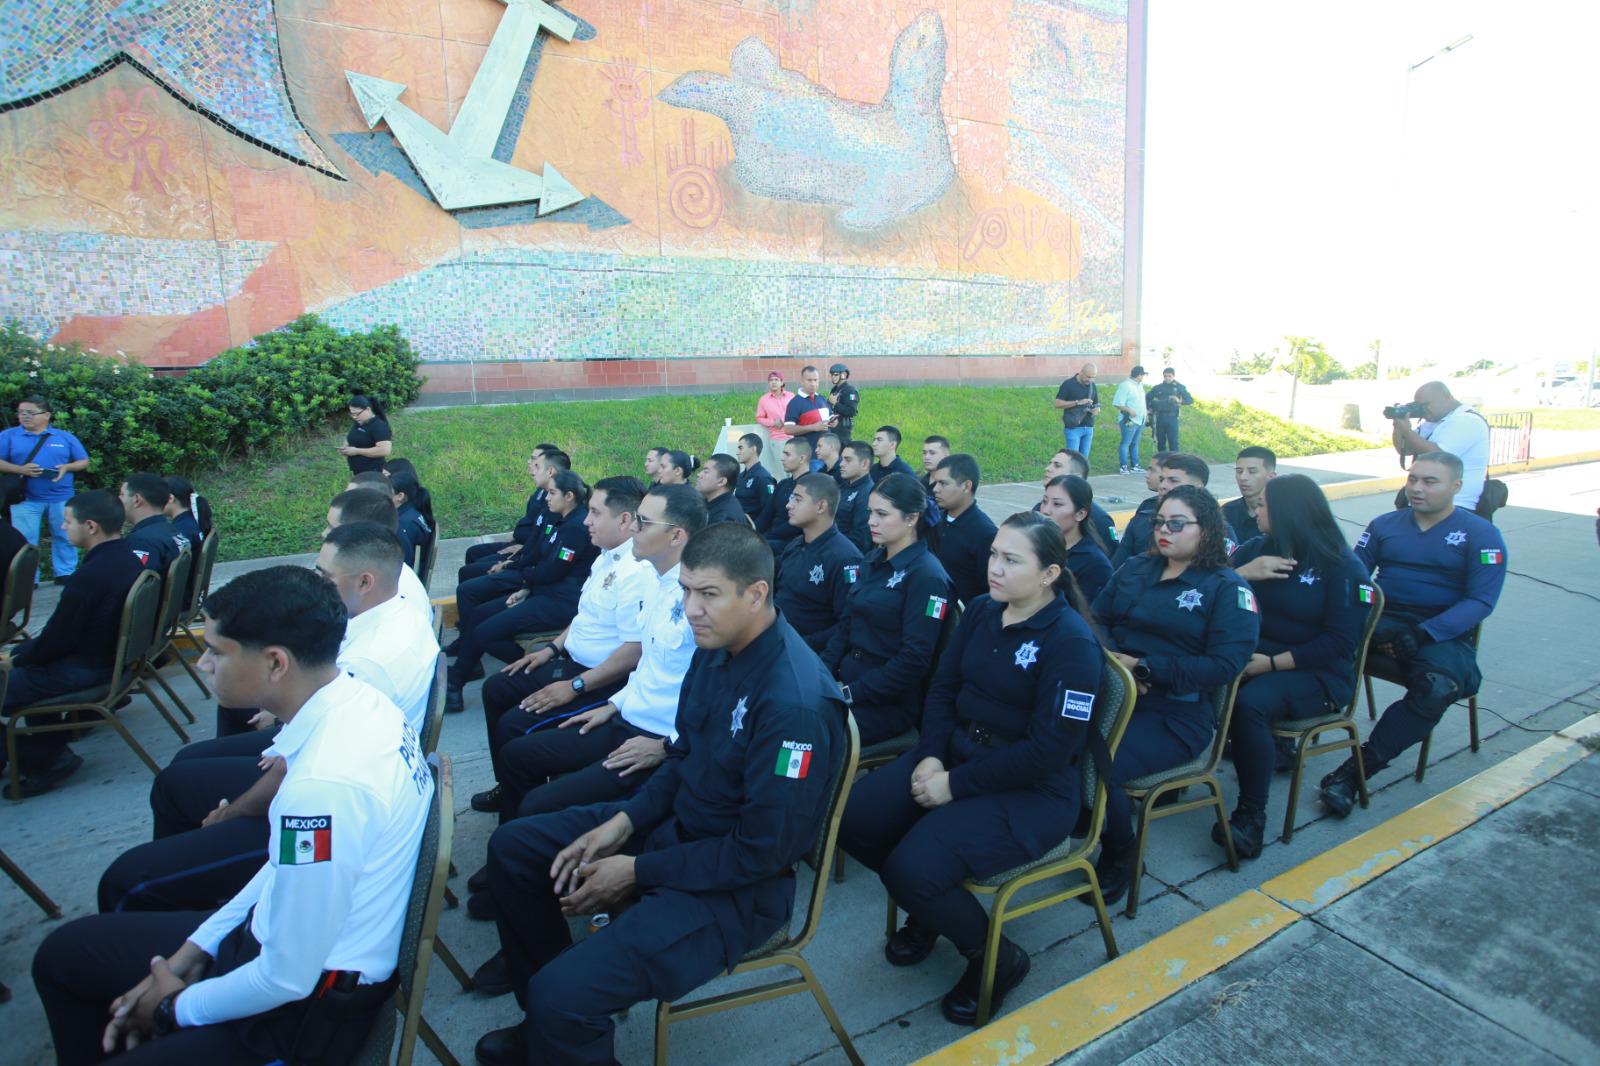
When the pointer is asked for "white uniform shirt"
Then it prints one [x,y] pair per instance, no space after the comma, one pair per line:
[392,649]
[346,825]
[610,605]
[412,592]
[649,701]
[1464,434]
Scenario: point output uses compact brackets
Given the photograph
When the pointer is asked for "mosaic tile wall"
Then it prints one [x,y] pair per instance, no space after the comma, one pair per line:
[770,178]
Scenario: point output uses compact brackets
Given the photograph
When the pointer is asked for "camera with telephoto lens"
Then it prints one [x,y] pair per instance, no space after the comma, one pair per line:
[1405,410]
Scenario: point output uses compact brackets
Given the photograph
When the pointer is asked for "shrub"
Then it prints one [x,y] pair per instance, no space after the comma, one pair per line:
[278,387]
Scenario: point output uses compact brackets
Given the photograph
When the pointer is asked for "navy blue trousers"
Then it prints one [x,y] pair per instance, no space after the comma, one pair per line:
[1441,673]
[1263,701]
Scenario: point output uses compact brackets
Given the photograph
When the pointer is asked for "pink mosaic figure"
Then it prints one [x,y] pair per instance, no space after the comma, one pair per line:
[695,192]
[129,134]
[629,102]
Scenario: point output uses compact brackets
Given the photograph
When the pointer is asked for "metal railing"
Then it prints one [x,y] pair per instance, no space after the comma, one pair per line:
[1510,437]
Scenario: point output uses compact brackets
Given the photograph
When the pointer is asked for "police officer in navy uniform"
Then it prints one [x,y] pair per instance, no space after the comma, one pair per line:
[708,846]
[480,557]
[829,447]
[151,536]
[818,567]
[1184,625]
[1067,502]
[1441,568]
[774,521]
[1176,469]
[411,526]
[1313,595]
[716,481]
[855,487]
[886,456]
[965,532]
[883,649]
[755,481]
[994,781]
[1067,461]
[846,400]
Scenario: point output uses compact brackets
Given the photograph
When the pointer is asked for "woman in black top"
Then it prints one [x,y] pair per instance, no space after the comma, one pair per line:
[188,511]
[1069,501]
[883,648]
[369,441]
[994,781]
[675,468]
[1314,596]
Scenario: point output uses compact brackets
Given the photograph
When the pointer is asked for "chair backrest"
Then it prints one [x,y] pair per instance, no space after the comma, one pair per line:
[946,632]
[427,900]
[438,623]
[174,594]
[205,562]
[1113,710]
[433,724]
[427,553]
[821,856]
[1373,614]
[18,594]
[137,631]
[1222,698]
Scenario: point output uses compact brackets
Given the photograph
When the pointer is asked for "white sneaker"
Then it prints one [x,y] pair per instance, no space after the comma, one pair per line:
[1122,470]
[1135,469]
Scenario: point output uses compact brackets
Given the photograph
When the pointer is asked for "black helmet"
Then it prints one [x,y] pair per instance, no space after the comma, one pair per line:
[838,368]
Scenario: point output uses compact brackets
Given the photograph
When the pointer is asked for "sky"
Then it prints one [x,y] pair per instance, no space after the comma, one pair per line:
[1293,185]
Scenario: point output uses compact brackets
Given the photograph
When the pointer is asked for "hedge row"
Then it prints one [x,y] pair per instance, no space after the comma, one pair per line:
[279,386]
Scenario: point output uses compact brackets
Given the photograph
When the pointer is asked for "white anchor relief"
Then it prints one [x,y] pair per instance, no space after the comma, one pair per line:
[459,167]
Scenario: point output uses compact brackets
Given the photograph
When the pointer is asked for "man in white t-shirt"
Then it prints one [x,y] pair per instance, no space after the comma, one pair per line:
[1131,414]
[1449,426]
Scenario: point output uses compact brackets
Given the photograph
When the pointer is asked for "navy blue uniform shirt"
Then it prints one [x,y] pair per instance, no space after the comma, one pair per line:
[852,517]
[413,531]
[1101,521]
[754,486]
[1316,615]
[963,551]
[531,523]
[774,521]
[1137,537]
[896,466]
[1237,514]
[846,400]
[1452,574]
[1194,631]
[84,626]
[188,529]
[724,508]
[564,557]
[893,615]
[813,581]
[1090,566]
[741,795]
[1032,685]
[1167,397]
[155,542]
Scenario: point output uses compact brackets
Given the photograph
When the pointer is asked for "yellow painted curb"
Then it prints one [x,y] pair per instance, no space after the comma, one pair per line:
[1122,989]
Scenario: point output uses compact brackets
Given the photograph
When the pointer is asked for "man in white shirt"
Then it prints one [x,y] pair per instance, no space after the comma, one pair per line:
[366,505]
[301,962]
[1131,414]
[1448,426]
[209,807]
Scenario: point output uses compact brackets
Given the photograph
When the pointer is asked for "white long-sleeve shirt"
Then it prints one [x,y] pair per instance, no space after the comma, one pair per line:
[649,701]
[610,606]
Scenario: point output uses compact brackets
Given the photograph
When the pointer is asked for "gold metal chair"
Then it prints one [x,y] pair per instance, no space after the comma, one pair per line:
[18,595]
[1386,669]
[427,555]
[25,882]
[1113,708]
[1306,731]
[174,587]
[784,949]
[1147,791]
[191,626]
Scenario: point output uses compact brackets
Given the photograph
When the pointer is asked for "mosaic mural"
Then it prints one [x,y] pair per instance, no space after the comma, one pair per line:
[770,177]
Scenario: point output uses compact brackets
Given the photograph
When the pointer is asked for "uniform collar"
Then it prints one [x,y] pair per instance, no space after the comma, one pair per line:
[1084,545]
[293,736]
[670,577]
[153,519]
[904,560]
[371,618]
[616,556]
[963,516]
[824,537]
[755,656]
[1043,618]
[864,477]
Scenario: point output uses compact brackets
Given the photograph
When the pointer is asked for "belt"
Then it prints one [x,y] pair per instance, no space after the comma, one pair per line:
[985,736]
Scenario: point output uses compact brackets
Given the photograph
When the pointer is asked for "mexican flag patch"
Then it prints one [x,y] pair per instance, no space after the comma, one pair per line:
[303,840]
[794,760]
[566,555]
[1247,601]
[1491,557]
[1364,593]
[936,606]
[851,572]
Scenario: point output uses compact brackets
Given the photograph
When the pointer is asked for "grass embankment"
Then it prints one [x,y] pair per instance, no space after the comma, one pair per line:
[473,458]
[1568,418]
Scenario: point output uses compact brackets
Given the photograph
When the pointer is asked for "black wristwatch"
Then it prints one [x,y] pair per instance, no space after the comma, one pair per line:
[1141,672]
[577,685]
[164,1019]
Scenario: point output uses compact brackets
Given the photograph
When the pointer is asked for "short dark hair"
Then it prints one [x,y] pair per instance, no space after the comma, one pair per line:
[290,607]
[962,467]
[741,553]
[405,482]
[100,507]
[860,449]
[1079,464]
[726,466]
[1212,553]
[809,367]
[1160,458]
[936,439]
[1448,460]
[822,488]
[892,432]
[803,443]
[1169,370]
[566,481]
[1192,465]
[546,447]
[683,461]
[837,443]
[754,440]
[659,449]
[1268,459]
[378,480]
[364,505]
[368,546]
[151,488]
[38,401]
[623,493]
[558,458]
[682,505]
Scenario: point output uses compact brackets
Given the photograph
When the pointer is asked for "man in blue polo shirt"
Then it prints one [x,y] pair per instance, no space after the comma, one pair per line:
[808,412]
[46,458]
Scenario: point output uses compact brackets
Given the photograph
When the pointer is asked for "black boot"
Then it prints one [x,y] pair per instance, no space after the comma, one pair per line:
[1114,870]
[502,1047]
[455,701]
[910,944]
[479,881]
[1339,787]
[488,801]
[1249,826]
[1283,755]
[493,978]
[960,1004]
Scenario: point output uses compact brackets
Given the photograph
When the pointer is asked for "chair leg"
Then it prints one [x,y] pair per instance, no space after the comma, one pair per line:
[171,695]
[838,867]
[1472,721]
[1372,701]
[150,695]
[1100,914]
[1145,806]
[435,1045]
[25,883]
[894,917]
[663,1020]
[1294,787]
[457,971]
[1222,820]
[127,737]
[991,956]
[450,899]
[1422,755]
[1361,769]
[845,1043]
[12,772]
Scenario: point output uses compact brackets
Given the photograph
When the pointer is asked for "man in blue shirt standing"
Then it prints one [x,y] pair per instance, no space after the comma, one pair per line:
[46,458]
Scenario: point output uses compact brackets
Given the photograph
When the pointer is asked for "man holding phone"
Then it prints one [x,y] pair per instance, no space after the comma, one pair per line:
[45,459]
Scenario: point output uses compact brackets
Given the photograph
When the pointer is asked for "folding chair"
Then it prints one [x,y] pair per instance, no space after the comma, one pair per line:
[1305,731]
[1386,669]
[190,624]
[25,882]
[417,937]
[134,637]
[427,555]
[1148,790]
[174,586]
[784,948]
[432,727]
[18,595]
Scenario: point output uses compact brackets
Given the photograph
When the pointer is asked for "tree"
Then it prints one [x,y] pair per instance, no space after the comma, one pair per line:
[1245,365]
[1310,362]
[1365,372]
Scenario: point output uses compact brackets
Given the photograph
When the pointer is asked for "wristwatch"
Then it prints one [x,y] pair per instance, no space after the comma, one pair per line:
[164,1019]
[577,685]
[1141,672]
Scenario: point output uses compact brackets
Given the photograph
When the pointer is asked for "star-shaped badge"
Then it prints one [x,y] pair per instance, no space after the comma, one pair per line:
[677,612]
[739,710]
[1308,578]
[899,576]
[1027,655]
[1189,599]
[816,574]
[1456,537]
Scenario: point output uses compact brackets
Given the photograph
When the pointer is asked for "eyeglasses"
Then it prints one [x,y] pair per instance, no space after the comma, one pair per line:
[640,523]
[1174,525]
[23,413]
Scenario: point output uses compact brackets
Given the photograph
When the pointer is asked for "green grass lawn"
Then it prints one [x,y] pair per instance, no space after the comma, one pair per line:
[473,459]
[1556,417]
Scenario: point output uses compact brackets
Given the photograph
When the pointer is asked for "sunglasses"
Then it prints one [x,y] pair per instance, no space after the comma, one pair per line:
[1174,525]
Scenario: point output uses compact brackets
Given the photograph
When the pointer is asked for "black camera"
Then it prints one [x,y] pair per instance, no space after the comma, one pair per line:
[1405,410]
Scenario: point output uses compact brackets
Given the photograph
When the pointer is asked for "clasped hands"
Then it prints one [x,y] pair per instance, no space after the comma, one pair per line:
[588,875]
[930,784]
[132,1013]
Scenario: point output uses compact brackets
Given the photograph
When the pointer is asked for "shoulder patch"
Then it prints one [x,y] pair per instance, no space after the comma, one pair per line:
[794,760]
[1491,557]
[1364,539]
[566,555]
[937,606]
[851,572]
[1247,601]
[1364,593]
[303,839]
[1078,706]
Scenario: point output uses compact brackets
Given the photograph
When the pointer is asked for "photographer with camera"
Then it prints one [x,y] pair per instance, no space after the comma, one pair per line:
[1449,426]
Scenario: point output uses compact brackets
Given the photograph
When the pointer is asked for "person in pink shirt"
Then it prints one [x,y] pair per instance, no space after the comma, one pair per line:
[771,407]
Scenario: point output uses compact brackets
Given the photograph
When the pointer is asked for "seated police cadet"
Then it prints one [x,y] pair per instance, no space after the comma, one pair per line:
[151,535]
[855,486]
[676,468]
[774,521]
[817,568]
[885,456]
[301,962]
[1251,471]
[1183,624]
[1313,596]
[1067,503]
[1067,461]
[365,505]
[883,648]
[209,806]
[965,532]
[480,557]
[412,527]
[591,658]
[188,511]
[76,648]
[478,583]
[935,450]
[1176,469]
[547,600]
[716,481]
[755,481]
[1441,568]
[994,782]
[707,848]
[829,447]
[652,463]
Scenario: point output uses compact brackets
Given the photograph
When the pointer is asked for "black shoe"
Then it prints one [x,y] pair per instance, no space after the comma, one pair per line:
[960,1004]
[1249,826]
[479,882]
[38,782]
[63,580]
[1339,790]
[502,1047]
[493,978]
[481,908]
[1113,871]
[459,675]
[488,801]
[453,648]
[910,944]
[1285,755]
[455,701]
